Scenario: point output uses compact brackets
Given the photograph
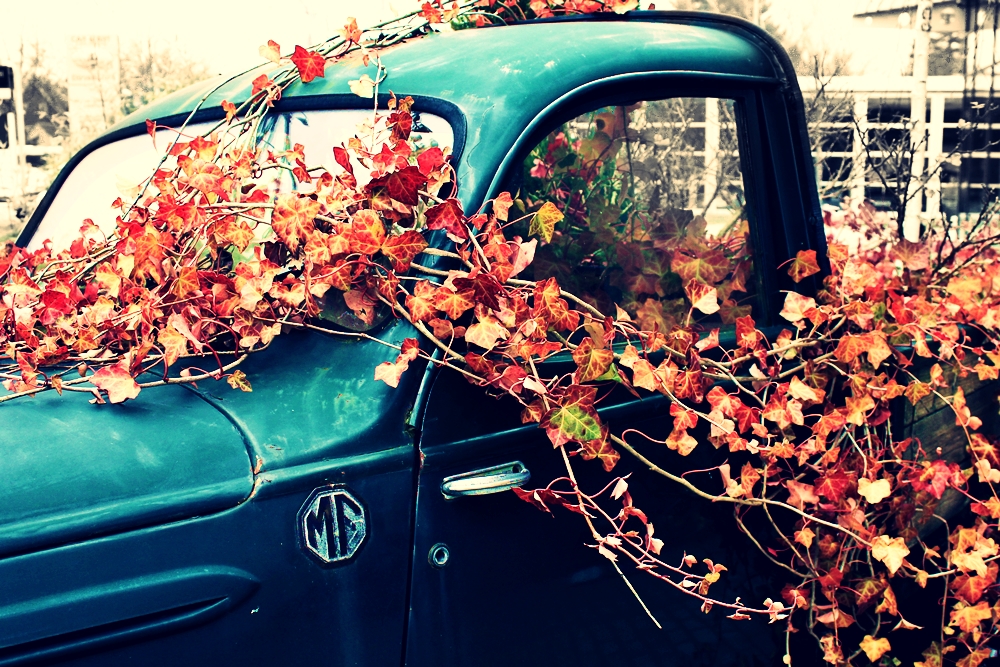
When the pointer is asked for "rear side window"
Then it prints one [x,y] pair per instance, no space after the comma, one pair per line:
[655,211]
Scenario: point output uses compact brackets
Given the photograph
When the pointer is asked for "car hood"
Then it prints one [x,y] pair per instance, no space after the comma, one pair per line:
[74,471]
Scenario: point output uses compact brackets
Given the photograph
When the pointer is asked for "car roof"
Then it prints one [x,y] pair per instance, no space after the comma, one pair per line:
[521,67]
[495,81]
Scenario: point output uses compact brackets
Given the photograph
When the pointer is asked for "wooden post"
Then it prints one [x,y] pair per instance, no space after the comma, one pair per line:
[859,168]
[19,139]
[935,147]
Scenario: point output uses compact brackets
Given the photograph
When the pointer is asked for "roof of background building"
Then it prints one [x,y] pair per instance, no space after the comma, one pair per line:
[866,7]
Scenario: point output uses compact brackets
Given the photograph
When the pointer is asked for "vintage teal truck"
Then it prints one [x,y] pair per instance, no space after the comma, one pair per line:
[320,519]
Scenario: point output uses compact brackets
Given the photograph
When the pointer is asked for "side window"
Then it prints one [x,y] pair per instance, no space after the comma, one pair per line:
[655,214]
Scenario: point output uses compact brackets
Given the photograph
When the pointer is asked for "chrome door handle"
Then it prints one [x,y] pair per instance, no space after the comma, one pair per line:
[486,480]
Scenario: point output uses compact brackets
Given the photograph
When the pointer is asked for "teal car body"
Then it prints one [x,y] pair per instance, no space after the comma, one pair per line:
[182,527]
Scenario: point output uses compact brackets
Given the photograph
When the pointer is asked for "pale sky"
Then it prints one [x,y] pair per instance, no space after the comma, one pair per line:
[226,35]
[223,35]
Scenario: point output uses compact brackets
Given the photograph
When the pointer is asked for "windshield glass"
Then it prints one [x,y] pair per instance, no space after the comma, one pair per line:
[117,169]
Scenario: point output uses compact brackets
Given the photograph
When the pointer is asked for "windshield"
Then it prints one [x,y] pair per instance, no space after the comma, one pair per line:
[118,169]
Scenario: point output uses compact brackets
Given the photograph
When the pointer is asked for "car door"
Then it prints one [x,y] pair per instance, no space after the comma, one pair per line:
[495,580]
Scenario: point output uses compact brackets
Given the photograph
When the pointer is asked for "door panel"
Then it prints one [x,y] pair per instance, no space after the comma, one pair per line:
[644,186]
[520,586]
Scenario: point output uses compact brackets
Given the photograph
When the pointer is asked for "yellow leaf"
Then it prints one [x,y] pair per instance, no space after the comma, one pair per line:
[363,87]
[890,551]
[800,390]
[874,492]
[805,537]
[875,648]
[545,220]
[238,380]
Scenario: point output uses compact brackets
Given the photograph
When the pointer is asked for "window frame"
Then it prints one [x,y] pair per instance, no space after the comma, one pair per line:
[756,148]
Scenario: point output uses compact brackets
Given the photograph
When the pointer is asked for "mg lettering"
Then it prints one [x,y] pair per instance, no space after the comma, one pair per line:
[333,524]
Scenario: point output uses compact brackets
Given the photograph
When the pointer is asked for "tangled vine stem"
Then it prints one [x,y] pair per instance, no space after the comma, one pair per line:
[229,244]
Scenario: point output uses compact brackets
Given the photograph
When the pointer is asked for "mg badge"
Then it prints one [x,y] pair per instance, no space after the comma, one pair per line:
[333,524]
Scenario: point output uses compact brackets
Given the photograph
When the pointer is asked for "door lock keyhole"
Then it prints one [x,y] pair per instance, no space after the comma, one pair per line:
[439,555]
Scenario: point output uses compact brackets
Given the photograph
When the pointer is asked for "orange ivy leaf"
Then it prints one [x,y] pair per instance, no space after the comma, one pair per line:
[835,618]
[850,348]
[857,409]
[430,13]
[262,82]
[591,361]
[309,63]
[602,450]
[174,344]
[708,267]
[238,380]
[975,657]
[453,303]
[804,265]
[968,618]
[486,334]
[888,603]
[350,32]
[205,176]
[644,375]
[501,205]
[421,308]
[116,381]
[890,551]
[367,232]
[799,494]
[702,297]
[186,282]
[230,110]
[683,418]
[805,537]
[293,219]
[916,391]
[796,306]
[681,442]
[971,588]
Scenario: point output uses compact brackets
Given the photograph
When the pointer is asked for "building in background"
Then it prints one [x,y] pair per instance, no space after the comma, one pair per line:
[94,80]
[961,148]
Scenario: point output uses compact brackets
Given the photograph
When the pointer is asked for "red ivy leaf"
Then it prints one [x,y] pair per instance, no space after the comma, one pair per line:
[309,63]
[403,248]
[447,216]
[429,160]
[403,186]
